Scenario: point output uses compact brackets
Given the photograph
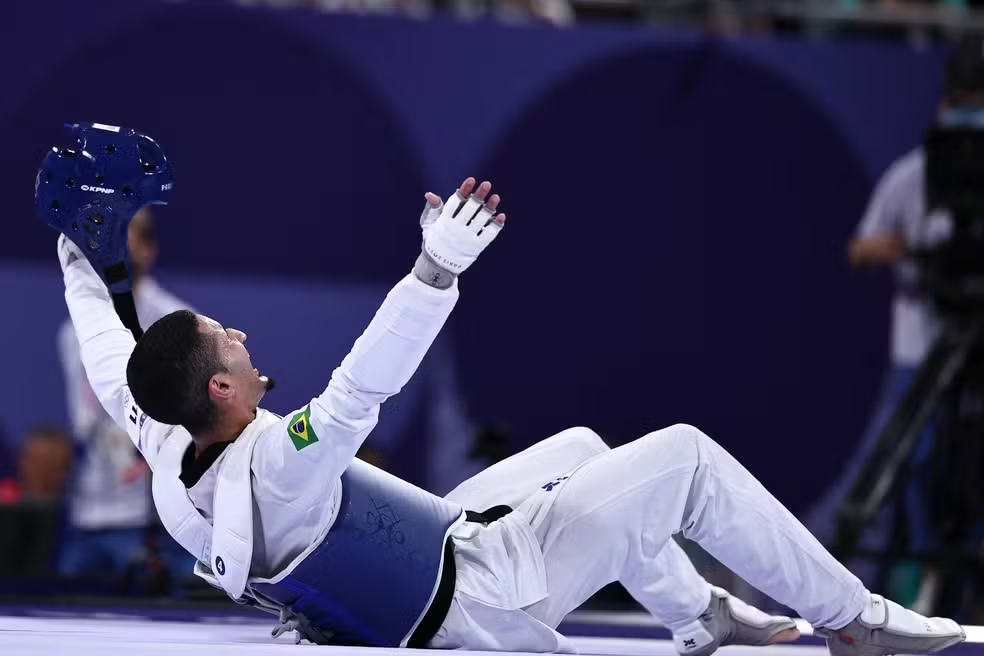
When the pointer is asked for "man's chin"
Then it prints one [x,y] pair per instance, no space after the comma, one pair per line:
[268,384]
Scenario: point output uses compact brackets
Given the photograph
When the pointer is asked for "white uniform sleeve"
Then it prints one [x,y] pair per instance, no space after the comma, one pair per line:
[307,452]
[104,347]
[885,213]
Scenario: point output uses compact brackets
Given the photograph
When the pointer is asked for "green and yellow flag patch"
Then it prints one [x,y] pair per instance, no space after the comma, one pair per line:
[301,431]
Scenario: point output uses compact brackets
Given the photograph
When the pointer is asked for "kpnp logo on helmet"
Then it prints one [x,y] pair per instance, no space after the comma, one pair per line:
[101,190]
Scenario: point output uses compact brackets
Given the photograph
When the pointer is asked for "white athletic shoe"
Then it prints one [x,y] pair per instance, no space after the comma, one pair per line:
[885,628]
[730,621]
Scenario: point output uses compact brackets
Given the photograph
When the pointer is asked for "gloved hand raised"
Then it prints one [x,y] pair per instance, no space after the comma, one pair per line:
[455,233]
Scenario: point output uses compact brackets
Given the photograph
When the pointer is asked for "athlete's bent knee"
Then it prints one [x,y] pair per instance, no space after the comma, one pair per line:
[679,439]
[686,431]
[678,432]
[585,438]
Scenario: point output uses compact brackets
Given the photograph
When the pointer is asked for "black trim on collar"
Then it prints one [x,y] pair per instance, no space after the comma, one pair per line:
[192,468]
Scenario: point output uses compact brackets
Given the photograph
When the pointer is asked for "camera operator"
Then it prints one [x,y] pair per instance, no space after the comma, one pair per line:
[896,223]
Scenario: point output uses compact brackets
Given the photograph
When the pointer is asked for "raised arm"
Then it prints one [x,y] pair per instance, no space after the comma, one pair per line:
[322,438]
[104,348]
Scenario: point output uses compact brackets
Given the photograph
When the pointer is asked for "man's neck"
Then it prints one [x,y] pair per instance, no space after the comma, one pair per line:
[227,432]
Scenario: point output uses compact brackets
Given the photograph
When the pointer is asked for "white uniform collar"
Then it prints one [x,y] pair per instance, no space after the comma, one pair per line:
[226,547]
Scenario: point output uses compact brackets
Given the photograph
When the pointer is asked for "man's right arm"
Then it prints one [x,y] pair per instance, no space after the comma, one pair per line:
[105,345]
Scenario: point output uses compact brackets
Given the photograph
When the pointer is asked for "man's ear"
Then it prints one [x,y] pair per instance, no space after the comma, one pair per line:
[220,387]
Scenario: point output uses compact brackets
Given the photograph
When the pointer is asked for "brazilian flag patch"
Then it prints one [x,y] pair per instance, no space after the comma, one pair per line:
[301,431]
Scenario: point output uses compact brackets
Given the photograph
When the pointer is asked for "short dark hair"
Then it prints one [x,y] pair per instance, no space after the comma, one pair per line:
[169,371]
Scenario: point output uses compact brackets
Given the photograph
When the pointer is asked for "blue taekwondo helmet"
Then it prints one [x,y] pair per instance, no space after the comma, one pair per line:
[90,188]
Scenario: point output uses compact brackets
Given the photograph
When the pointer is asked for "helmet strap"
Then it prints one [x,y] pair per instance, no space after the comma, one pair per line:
[123,301]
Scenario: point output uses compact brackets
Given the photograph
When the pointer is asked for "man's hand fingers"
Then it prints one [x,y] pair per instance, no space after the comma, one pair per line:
[433,199]
[483,190]
[493,202]
[466,187]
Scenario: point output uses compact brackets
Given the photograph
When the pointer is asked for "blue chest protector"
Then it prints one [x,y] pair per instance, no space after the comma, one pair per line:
[375,575]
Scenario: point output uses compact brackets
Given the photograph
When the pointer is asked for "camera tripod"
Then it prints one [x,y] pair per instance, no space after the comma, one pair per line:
[948,390]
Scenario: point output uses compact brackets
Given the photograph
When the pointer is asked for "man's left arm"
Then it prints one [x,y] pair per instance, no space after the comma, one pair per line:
[317,442]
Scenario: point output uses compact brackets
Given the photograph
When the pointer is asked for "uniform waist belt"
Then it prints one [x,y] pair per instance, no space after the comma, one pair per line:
[432,620]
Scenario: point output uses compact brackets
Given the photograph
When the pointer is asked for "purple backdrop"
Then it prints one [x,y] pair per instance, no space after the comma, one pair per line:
[678,205]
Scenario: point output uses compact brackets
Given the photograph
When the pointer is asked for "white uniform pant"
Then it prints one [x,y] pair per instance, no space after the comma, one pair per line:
[609,516]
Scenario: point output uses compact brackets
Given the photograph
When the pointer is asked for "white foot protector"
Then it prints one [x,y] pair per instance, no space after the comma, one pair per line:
[885,628]
[728,621]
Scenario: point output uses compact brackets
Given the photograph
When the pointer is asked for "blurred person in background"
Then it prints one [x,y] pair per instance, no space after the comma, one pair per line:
[8,468]
[895,223]
[44,466]
[32,504]
[112,521]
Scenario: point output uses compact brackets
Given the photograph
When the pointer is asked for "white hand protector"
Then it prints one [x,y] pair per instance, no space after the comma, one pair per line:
[462,230]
